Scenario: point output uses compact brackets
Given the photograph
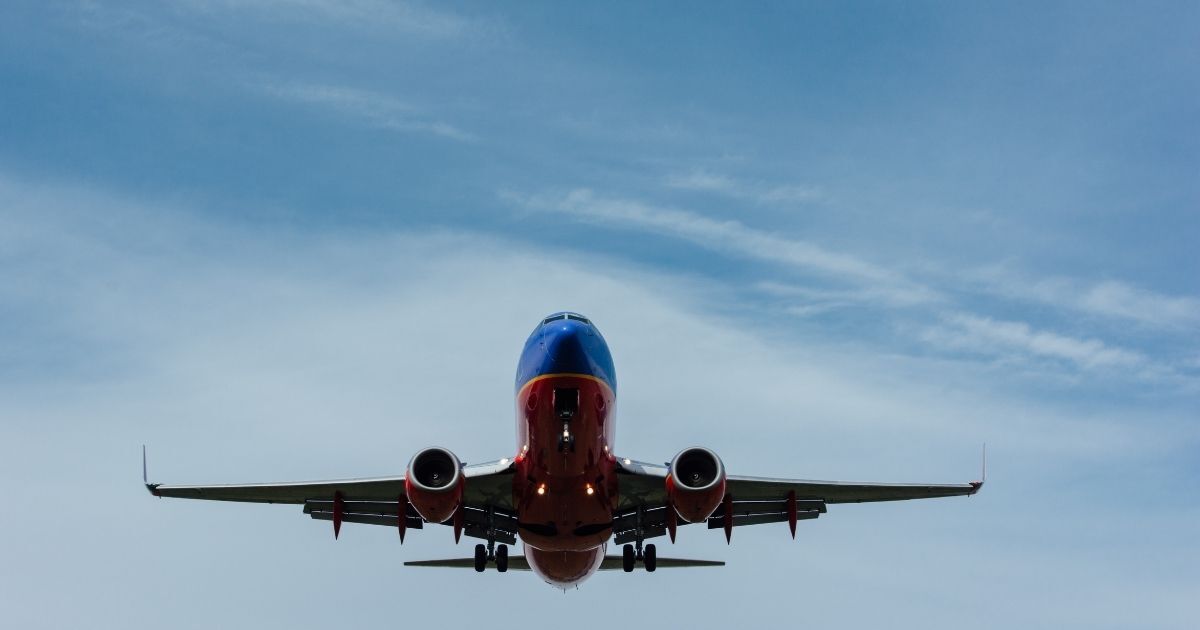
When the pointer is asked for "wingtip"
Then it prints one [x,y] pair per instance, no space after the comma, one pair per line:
[977,485]
[152,488]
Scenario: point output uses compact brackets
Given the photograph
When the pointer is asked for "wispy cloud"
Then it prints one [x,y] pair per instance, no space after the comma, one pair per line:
[985,335]
[407,17]
[856,283]
[731,237]
[705,181]
[377,110]
[1108,298]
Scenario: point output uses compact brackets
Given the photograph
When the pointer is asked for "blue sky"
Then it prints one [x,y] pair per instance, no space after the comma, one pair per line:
[280,239]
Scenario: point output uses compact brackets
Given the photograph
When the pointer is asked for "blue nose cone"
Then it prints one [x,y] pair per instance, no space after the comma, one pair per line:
[566,344]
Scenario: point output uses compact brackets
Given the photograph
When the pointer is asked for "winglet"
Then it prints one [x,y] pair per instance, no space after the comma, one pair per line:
[152,487]
[976,485]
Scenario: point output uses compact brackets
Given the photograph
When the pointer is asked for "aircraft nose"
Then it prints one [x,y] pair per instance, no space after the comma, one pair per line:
[565,345]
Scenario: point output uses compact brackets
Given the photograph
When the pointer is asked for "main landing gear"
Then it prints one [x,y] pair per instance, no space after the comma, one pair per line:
[498,555]
[632,554]
[491,553]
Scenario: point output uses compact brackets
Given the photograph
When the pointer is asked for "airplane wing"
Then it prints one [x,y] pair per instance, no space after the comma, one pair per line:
[487,500]
[754,500]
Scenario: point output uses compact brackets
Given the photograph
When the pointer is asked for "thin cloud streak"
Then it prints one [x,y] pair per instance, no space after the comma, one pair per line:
[407,17]
[704,181]
[989,336]
[957,331]
[375,109]
[731,237]
[1109,299]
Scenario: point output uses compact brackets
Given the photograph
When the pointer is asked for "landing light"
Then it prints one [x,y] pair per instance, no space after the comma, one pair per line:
[627,462]
[590,490]
[504,461]
[541,489]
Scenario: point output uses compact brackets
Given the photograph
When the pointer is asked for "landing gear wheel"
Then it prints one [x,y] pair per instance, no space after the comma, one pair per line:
[480,558]
[502,558]
[650,558]
[627,558]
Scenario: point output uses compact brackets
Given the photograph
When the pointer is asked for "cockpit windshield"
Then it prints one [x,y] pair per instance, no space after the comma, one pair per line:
[571,316]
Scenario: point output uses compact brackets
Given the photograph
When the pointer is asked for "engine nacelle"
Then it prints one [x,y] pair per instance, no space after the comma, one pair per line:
[696,483]
[434,484]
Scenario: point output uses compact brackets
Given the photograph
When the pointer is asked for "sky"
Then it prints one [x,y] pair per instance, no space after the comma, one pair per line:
[303,239]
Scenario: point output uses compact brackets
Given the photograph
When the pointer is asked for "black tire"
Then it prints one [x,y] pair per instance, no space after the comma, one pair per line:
[627,558]
[480,558]
[502,558]
[650,558]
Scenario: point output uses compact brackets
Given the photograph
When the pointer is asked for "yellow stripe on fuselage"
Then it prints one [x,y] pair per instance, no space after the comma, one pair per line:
[569,374]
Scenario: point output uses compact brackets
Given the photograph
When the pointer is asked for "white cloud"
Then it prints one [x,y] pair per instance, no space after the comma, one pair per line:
[733,237]
[375,109]
[986,335]
[405,17]
[704,181]
[1107,299]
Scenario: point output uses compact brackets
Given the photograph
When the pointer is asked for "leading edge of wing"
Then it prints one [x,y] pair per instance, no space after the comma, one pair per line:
[744,487]
[297,492]
[378,488]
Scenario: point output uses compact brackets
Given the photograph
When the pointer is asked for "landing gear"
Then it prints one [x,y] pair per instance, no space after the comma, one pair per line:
[491,553]
[502,558]
[481,558]
[632,554]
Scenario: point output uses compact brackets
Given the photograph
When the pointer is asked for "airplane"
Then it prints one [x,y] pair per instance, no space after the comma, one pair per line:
[564,492]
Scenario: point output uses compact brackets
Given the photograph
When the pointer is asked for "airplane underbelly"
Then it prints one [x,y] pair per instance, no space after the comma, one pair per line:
[564,568]
[565,488]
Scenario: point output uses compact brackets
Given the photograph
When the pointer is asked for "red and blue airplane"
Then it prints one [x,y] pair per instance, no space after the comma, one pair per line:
[564,492]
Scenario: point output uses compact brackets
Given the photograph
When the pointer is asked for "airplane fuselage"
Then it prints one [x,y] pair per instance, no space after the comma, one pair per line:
[565,486]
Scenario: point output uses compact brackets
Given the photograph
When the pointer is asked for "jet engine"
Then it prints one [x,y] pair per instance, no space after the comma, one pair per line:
[434,484]
[696,483]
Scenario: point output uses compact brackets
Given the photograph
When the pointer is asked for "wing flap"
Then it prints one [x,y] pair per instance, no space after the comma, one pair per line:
[740,520]
[475,520]
[367,519]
